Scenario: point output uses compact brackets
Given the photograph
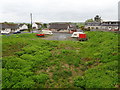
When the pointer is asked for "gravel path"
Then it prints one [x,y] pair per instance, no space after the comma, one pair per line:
[60,36]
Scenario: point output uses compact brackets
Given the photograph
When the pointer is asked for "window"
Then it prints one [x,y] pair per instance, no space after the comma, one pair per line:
[96,27]
[75,34]
[3,28]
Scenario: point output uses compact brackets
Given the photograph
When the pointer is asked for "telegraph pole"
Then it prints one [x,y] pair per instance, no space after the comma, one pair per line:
[31,21]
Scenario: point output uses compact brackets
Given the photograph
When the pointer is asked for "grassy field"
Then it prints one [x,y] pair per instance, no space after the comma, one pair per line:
[31,62]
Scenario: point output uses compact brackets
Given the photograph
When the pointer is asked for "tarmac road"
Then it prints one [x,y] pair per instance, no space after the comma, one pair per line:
[60,36]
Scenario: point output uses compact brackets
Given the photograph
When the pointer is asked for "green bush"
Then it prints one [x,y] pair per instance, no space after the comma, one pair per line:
[30,49]
[63,74]
[20,53]
[16,63]
[28,57]
[102,76]
[79,82]
[41,78]
[26,83]
[31,62]
[16,79]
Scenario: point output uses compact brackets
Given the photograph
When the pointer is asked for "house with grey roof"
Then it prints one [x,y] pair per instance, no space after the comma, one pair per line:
[59,26]
[36,25]
[98,24]
[109,25]
[105,25]
[62,27]
[93,25]
[8,28]
[23,26]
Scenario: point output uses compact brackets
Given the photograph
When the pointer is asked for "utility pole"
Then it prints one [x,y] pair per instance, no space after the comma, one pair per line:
[31,21]
[119,16]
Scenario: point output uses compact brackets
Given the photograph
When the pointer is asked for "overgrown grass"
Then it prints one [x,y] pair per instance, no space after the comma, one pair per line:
[31,62]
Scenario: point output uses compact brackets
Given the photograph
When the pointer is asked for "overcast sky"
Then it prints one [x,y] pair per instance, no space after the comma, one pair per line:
[57,10]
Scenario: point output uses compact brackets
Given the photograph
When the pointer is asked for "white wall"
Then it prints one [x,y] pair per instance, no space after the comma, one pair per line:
[23,27]
[99,27]
[35,25]
[6,31]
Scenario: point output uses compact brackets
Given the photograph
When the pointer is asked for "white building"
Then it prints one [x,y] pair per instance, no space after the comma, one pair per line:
[23,26]
[6,28]
[102,25]
[36,25]
[109,25]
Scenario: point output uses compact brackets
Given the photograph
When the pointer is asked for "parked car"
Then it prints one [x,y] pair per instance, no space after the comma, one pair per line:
[16,32]
[47,32]
[40,35]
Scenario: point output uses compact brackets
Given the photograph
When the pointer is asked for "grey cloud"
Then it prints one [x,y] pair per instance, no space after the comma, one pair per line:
[57,10]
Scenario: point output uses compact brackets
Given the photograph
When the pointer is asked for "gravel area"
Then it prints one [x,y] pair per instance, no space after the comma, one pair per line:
[60,36]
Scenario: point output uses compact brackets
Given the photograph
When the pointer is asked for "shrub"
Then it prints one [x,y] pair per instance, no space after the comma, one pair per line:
[26,83]
[16,79]
[79,82]
[19,53]
[41,78]
[16,63]
[30,49]
[28,57]
[25,56]
[63,74]
[102,76]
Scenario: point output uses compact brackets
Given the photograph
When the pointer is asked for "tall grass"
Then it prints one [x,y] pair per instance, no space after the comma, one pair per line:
[31,62]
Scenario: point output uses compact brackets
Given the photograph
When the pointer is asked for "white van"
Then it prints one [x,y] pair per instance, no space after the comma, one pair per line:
[47,32]
[76,34]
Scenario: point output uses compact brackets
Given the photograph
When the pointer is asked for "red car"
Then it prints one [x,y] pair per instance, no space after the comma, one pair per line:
[40,35]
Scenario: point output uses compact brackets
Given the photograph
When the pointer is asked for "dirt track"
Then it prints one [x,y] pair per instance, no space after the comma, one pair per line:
[60,36]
